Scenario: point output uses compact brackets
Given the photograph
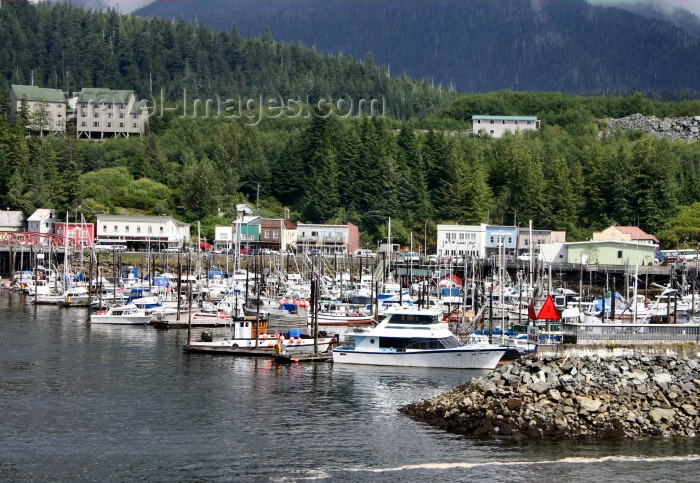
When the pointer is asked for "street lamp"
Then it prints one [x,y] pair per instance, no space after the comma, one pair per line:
[425,239]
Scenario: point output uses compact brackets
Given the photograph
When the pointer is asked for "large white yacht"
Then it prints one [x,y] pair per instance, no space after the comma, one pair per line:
[415,337]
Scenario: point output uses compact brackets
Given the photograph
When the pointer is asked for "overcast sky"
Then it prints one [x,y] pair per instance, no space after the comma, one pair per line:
[126,6]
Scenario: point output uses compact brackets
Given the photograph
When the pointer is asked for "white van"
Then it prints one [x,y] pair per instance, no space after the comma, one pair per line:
[364,253]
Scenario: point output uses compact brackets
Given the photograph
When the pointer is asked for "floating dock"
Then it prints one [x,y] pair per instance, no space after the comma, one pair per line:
[229,351]
[284,358]
[295,358]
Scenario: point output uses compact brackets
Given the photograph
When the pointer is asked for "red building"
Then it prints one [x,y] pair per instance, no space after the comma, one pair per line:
[82,234]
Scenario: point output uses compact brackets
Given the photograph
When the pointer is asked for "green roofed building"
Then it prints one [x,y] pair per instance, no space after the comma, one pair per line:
[496,126]
[104,113]
[46,108]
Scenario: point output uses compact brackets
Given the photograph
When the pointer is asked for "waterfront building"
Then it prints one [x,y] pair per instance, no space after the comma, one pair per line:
[79,234]
[11,221]
[626,233]
[328,239]
[604,252]
[461,240]
[109,113]
[497,126]
[41,221]
[246,231]
[278,234]
[46,108]
[501,240]
[537,238]
[142,232]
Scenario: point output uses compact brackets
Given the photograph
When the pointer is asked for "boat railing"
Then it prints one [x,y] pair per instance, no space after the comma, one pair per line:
[630,333]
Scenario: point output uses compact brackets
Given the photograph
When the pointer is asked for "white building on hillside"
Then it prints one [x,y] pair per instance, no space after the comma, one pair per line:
[496,126]
[46,108]
[109,113]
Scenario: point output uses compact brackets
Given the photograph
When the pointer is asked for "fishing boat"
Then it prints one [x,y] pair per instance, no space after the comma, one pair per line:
[415,337]
[124,315]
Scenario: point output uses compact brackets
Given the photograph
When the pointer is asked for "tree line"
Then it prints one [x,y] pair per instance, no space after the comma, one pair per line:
[364,171]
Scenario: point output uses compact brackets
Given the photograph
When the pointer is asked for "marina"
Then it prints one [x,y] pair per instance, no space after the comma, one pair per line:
[203,417]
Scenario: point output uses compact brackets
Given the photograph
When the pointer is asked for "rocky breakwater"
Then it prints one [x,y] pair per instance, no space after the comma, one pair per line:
[685,128]
[632,396]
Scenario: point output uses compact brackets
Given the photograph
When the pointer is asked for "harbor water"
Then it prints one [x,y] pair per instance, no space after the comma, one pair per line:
[112,403]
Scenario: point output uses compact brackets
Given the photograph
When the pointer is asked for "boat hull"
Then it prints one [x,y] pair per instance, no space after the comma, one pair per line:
[120,320]
[458,358]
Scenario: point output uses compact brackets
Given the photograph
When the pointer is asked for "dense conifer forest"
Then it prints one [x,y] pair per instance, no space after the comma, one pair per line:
[418,170]
[479,46]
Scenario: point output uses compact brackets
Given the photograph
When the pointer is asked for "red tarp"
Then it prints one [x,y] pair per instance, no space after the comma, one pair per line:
[548,310]
[204,246]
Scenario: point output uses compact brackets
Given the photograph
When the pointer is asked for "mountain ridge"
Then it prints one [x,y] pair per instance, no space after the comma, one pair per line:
[476,46]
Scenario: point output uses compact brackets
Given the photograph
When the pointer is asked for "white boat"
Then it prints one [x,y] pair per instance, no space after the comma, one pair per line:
[245,335]
[76,296]
[123,315]
[336,314]
[415,337]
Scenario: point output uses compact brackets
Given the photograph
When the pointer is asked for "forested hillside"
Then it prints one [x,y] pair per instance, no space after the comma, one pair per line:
[477,46]
[69,48]
[357,169]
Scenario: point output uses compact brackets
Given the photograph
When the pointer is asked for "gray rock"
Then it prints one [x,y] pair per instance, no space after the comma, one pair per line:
[658,414]
[539,387]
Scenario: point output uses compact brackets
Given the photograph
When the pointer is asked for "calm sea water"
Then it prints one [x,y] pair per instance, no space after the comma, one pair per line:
[81,403]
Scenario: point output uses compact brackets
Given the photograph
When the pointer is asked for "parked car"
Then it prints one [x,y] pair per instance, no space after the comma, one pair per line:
[432,259]
[458,259]
[410,257]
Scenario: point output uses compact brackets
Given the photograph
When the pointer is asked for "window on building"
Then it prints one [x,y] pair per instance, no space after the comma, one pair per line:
[109,124]
[121,124]
[83,114]
[135,125]
[126,228]
[96,114]
[491,131]
[529,122]
[104,228]
[510,240]
[478,121]
[493,122]
[59,123]
[138,229]
[59,114]
[96,124]
[161,230]
[109,115]
[275,234]
[121,115]
[134,116]
[619,254]
[109,106]
[150,229]
[267,233]
[115,229]
[504,121]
